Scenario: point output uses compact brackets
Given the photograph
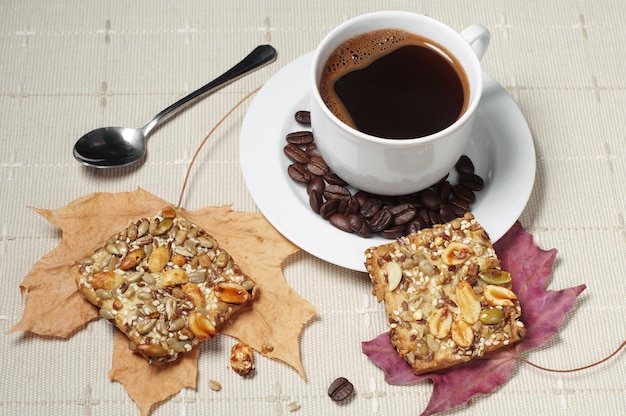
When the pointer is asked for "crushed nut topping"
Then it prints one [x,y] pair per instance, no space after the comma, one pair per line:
[242,359]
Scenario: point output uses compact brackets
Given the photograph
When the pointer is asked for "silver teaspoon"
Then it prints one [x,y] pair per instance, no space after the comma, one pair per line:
[109,147]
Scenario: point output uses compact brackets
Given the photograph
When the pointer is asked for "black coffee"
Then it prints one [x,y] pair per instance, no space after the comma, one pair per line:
[393,84]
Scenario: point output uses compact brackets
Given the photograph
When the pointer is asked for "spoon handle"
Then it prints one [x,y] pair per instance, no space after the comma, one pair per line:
[260,56]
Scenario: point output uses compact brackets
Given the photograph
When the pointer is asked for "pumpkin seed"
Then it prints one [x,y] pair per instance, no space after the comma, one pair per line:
[492,316]
[495,277]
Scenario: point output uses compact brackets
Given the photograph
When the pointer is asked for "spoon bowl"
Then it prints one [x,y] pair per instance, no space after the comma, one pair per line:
[109,147]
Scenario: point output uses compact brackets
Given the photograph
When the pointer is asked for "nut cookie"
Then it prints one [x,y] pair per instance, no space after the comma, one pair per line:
[446,297]
[165,283]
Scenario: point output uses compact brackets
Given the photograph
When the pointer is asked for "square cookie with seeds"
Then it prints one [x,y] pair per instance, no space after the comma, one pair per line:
[446,296]
[165,283]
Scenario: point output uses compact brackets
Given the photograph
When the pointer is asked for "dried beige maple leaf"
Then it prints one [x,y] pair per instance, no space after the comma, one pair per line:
[59,310]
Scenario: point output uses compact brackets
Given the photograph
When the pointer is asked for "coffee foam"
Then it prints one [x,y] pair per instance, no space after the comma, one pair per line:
[353,54]
[358,52]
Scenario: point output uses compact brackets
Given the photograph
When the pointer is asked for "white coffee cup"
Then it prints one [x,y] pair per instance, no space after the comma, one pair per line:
[397,167]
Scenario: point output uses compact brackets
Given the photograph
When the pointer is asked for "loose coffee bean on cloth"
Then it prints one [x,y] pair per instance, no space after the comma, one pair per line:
[340,389]
[365,214]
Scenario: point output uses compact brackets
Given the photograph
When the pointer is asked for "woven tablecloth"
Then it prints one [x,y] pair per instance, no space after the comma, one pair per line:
[67,67]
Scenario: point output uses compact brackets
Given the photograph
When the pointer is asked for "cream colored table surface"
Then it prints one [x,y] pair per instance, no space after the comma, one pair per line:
[67,67]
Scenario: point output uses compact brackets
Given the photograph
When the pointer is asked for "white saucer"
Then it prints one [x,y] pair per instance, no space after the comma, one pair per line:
[501,148]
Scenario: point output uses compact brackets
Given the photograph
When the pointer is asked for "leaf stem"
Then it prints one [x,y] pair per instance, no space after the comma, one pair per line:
[195,155]
[574,369]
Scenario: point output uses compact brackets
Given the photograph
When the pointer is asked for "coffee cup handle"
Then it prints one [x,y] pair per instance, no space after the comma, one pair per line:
[478,37]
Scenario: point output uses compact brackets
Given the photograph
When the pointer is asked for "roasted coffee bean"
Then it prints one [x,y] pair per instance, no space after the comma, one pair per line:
[356,222]
[446,213]
[303,117]
[340,389]
[299,173]
[459,207]
[463,193]
[434,217]
[393,232]
[371,207]
[444,189]
[300,137]
[316,184]
[464,165]
[359,225]
[387,200]
[430,199]
[414,226]
[317,166]
[295,153]
[336,192]
[397,209]
[348,205]
[315,200]
[340,221]
[334,179]
[329,208]
[472,181]
[312,150]
[362,197]
[424,217]
[381,220]
[403,213]
[413,199]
